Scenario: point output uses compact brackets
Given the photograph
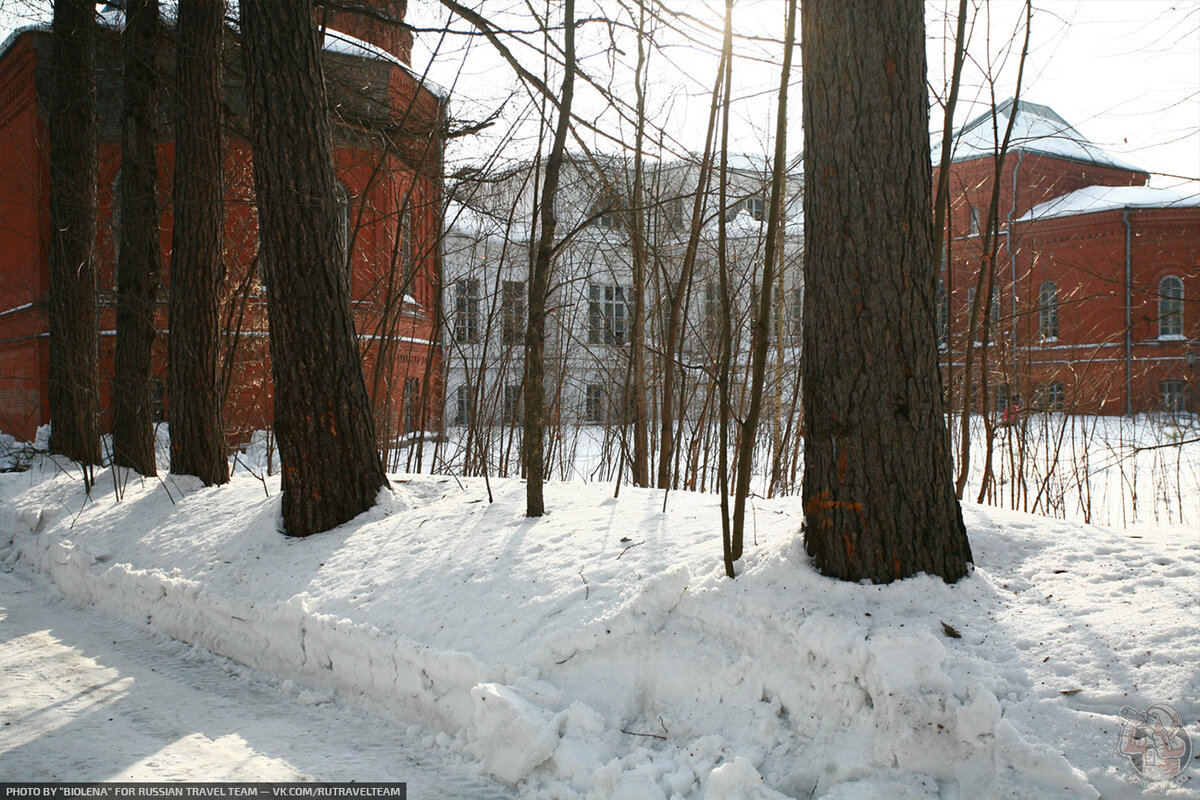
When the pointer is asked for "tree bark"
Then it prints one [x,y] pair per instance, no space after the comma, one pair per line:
[73,398]
[197,265]
[878,493]
[539,283]
[331,467]
[138,259]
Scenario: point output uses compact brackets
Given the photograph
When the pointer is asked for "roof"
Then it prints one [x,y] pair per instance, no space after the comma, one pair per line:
[1094,199]
[344,43]
[334,42]
[1037,129]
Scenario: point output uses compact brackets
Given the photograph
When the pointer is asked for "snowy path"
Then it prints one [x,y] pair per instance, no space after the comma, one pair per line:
[87,697]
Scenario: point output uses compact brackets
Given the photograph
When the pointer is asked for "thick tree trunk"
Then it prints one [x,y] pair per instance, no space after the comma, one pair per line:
[138,260]
[331,468]
[539,283]
[74,403]
[197,265]
[878,493]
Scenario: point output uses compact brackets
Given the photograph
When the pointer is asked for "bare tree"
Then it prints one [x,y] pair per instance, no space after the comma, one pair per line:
[197,265]
[763,319]
[331,468]
[539,281]
[878,495]
[74,403]
[138,257]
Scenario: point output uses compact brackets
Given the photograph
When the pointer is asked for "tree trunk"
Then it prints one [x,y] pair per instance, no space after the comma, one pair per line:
[725,357]
[138,260]
[878,494]
[638,405]
[539,282]
[331,468]
[197,266]
[74,403]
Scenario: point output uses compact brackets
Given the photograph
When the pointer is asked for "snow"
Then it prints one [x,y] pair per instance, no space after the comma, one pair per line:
[341,42]
[599,652]
[1094,199]
[1038,129]
[82,694]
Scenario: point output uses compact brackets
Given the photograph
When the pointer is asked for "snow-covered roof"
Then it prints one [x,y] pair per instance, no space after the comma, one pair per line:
[1037,129]
[344,43]
[1094,199]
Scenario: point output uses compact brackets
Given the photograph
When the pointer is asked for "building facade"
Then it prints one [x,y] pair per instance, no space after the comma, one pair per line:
[488,250]
[388,160]
[1093,276]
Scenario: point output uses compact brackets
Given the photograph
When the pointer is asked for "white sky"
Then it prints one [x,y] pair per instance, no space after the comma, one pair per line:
[1126,73]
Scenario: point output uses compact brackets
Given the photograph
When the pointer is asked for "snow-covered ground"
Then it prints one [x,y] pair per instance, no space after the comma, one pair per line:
[598,652]
[85,696]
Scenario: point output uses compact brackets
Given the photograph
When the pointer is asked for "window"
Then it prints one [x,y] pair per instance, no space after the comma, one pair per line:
[756,207]
[407,262]
[412,401]
[993,312]
[463,407]
[512,311]
[512,402]
[974,221]
[1054,397]
[607,314]
[466,310]
[607,214]
[1173,395]
[673,214]
[593,407]
[1048,310]
[943,314]
[1170,308]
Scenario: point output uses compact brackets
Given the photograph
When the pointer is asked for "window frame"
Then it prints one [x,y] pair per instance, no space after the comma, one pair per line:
[1173,396]
[609,314]
[467,322]
[593,403]
[1170,308]
[513,311]
[1048,311]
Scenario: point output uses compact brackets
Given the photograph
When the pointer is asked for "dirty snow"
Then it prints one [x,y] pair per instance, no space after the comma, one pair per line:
[598,652]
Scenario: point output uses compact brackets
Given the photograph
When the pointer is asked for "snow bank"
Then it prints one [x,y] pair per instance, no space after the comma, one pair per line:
[598,652]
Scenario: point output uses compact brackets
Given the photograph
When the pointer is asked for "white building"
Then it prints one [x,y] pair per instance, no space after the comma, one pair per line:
[486,259]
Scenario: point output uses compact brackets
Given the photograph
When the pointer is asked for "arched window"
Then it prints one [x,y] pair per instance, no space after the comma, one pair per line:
[1048,310]
[1170,307]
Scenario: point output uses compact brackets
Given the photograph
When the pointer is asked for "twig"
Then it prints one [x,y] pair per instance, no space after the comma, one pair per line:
[165,488]
[630,547]
[586,590]
[649,735]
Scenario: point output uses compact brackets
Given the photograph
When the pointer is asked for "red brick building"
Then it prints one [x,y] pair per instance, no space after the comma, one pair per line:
[1095,302]
[388,159]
